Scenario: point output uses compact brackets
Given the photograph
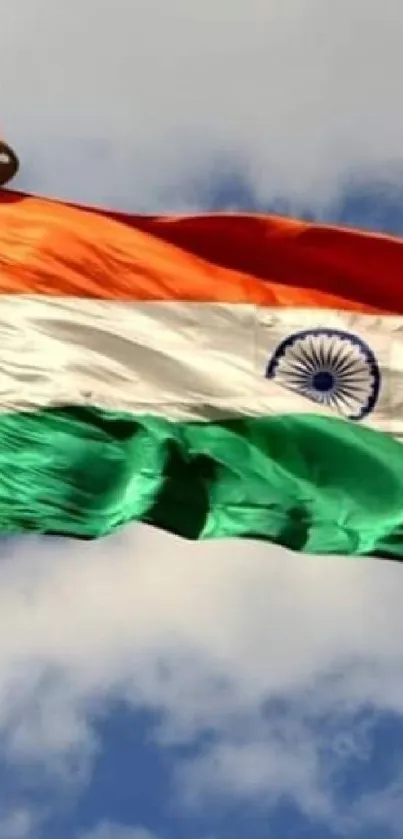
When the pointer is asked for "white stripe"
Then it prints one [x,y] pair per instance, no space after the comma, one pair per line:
[180,360]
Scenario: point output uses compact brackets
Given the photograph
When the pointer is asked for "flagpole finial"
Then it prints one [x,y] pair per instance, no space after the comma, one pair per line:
[9,163]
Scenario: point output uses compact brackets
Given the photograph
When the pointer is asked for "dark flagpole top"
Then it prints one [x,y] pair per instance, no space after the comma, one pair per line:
[9,163]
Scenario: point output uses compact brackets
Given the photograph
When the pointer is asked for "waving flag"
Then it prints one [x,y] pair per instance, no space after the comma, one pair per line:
[214,376]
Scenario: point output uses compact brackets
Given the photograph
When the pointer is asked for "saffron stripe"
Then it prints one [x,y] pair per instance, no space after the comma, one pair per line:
[51,248]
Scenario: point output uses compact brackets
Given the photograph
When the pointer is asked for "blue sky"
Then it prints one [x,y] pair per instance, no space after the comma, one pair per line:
[151,689]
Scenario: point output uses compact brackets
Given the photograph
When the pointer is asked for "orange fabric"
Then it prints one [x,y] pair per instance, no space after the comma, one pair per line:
[48,247]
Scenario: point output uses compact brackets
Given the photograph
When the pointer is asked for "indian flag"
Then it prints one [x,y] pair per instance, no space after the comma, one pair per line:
[214,376]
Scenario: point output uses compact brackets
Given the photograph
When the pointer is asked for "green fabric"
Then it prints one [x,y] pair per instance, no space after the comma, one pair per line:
[311,484]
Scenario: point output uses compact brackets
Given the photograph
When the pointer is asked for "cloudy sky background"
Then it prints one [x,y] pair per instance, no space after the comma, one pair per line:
[151,689]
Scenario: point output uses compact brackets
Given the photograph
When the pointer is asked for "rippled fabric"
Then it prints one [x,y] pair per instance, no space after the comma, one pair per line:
[187,361]
[51,248]
[308,483]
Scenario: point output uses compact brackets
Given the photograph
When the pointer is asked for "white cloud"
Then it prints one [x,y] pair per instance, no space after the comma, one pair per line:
[260,770]
[19,823]
[130,102]
[210,636]
[111,830]
[380,808]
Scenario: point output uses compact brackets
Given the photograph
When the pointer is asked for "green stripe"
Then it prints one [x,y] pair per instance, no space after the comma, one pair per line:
[308,483]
